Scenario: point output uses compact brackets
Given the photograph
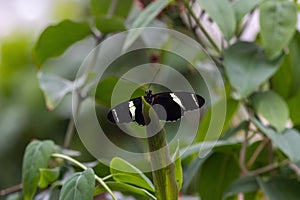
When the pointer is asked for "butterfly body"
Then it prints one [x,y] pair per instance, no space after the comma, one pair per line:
[169,106]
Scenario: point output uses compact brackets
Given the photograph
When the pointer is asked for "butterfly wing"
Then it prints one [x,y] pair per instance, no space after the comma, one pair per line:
[128,111]
[171,106]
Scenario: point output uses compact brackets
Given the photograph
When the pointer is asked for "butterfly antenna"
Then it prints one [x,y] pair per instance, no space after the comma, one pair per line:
[153,78]
[129,81]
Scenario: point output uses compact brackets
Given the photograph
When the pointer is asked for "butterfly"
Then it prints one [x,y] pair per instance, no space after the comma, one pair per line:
[169,106]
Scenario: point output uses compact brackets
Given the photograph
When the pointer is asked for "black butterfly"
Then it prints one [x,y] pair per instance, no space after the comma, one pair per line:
[169,106]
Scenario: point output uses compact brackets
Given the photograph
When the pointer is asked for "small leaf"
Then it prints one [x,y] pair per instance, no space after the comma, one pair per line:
[278,21]
[278,188]
[241,185]
[129,174]
[288,142]
[143,20]
[264,104]
[222,12]
[79,186]
[247,67]
[123,187]
[107,24]
[48,176]
[56,39]
[242,7]
[37,155]
[54,88]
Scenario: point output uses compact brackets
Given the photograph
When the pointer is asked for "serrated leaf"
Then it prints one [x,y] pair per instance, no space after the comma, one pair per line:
[48,176]
[222,12]
[247,67]
[264,104]
[123,187]
[288,142]
[111,24]
[37,155]
[79,186]
[278,188]
[54,88]
[241,185]
[57,38]
[278,21]
[143,20]
[129,174]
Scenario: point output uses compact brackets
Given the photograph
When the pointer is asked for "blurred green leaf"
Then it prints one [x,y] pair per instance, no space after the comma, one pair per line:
[101,7]
[264,104]
[143,20]
[220,125]
[290,67]
[241,185]
[288,142]
[217,173]
[79,186]
[54,88]
[48,176]
[178,168]
[111,24]
[123,8]
[222,12]
[243,7]
[247,67]
[278,21]
[278,188]
[56,39]
[123,187]
[129,174]
[293,104]
[37,155]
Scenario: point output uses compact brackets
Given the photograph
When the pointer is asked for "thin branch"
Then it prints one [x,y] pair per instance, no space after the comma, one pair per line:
[294,167]
[244,169]
[268,168]
[11,190]
[257,152]
[112,7]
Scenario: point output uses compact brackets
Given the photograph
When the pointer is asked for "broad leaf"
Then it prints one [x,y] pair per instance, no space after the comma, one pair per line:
[143,20]
[222,12]
[288,142]
[56,39]
[54,88]
[37,155]
[123,187]
[241,185]
[111,24]
[242,7]
[217,173]
[247,67]
[278,24]
[79,186]
[278,188]
[48,176]
[264,104]
[129,174]
[293,104]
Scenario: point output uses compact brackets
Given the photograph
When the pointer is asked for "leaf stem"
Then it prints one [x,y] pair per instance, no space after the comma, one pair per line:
[72,160]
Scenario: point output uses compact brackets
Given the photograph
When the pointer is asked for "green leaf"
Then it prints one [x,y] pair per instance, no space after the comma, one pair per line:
[290,67]
[48,176]
[278,188]
[278,21]
[129,174]
[241,185]
[247,67]
[288,142]
[54,88]
[37,155]
[220,125]
[178,168]
[293,105]
[79,186]
[101,7]
[123,8]
[264,104]
[111,24]
[143,20]
[243,7]
[222,12]
[56,39]
[123,187]
[217,173]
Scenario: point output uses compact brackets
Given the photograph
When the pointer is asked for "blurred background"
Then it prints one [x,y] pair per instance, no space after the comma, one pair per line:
[23,113]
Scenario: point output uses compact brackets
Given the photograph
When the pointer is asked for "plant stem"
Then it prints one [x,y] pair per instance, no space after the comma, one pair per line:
[57,155]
